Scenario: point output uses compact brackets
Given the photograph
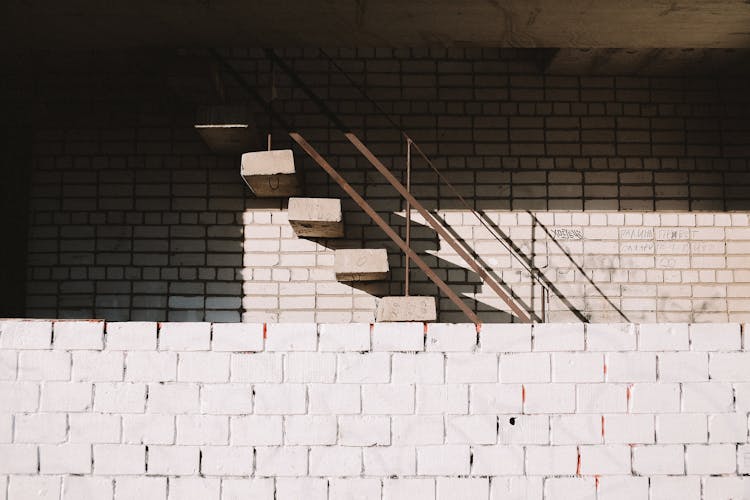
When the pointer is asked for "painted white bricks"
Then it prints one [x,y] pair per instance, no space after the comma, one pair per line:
[652,411]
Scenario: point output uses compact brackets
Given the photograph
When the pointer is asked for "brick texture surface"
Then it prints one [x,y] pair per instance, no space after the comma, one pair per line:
[401,423]
[627,194]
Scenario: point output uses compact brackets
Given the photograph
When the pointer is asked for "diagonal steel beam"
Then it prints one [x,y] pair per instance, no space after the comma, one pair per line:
[333,173]
[438,227]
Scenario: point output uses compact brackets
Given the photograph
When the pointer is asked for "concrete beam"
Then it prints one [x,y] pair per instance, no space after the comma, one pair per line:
[410,308]
[361,264]
[316,217]
[271,174]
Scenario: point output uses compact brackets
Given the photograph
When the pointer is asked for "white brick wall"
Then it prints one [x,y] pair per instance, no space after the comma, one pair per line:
[637,412]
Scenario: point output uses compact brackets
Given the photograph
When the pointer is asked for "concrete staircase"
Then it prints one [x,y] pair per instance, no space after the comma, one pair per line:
[273,174]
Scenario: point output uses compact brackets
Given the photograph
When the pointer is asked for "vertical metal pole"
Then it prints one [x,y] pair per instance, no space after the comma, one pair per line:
[408,215]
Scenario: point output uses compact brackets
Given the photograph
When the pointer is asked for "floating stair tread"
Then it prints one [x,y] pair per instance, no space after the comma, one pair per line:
[411,308]
[226,129]
[361,264]
[316,217]
[271,174]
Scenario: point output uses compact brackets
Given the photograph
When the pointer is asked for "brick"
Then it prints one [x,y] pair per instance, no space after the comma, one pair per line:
[471,429]
[193,488]
[409,489]
[497,460]
[663,337]
[172,398]
[655,398]
[6,428]
[260,368]
[730,366]
[119,459]
[551,460]
[20,334]
[558,337]
[418,430]
[94,428]
[398,337]
[93,366]
[383,399]
[310,367]
[707,397]
[516,488]
[310,430]
[523,429]
[549,398]
[446,460]
[339,461]
[289,461]
[43,365]
[345,489]
[469,368]
[65,459]
[148,429]
[658,459]
[610,337]
[448,337]
[462,488]
[683,366]
[610,459]
[360,430]
[291,337]
[367,368]
[622,488]
[19,396]
[345,337]
[237,337]
[185,336]
[78,335]
[202,429]
[628,429]
[710,459]
[256,430]
[715,337]
[146,488]
[280,400]
[293,488]
[575,429]
[120,397]
[18,459]
[717,488]
[84,488]
[239,489]
[727,428]
[147,366]
[411,368]
[630,367]
[524,367]
[499,337]
[226,399]
[438,399]
[37,487]
[41,428]
[334,399]
[66,396]
[203,367]
[8,365]
[130,336]
[226,461]
[577,367]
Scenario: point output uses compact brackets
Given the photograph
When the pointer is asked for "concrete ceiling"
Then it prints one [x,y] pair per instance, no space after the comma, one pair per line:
[83,24]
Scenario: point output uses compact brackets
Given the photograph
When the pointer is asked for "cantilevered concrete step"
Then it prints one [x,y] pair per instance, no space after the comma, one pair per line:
[406,309]
[316,217]
[227,129]
[361,264]
[271,173]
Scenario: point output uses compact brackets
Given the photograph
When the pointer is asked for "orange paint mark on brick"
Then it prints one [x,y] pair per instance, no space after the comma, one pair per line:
[523,394]
[628,394]
[425,328]
[372,328]
[578,467]
[265,330]
[605,368]
[479,328]
[602,425]
[596,480]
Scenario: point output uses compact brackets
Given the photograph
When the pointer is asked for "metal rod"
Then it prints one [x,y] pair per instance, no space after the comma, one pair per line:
[438,227]
[408,216]
[384,226]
